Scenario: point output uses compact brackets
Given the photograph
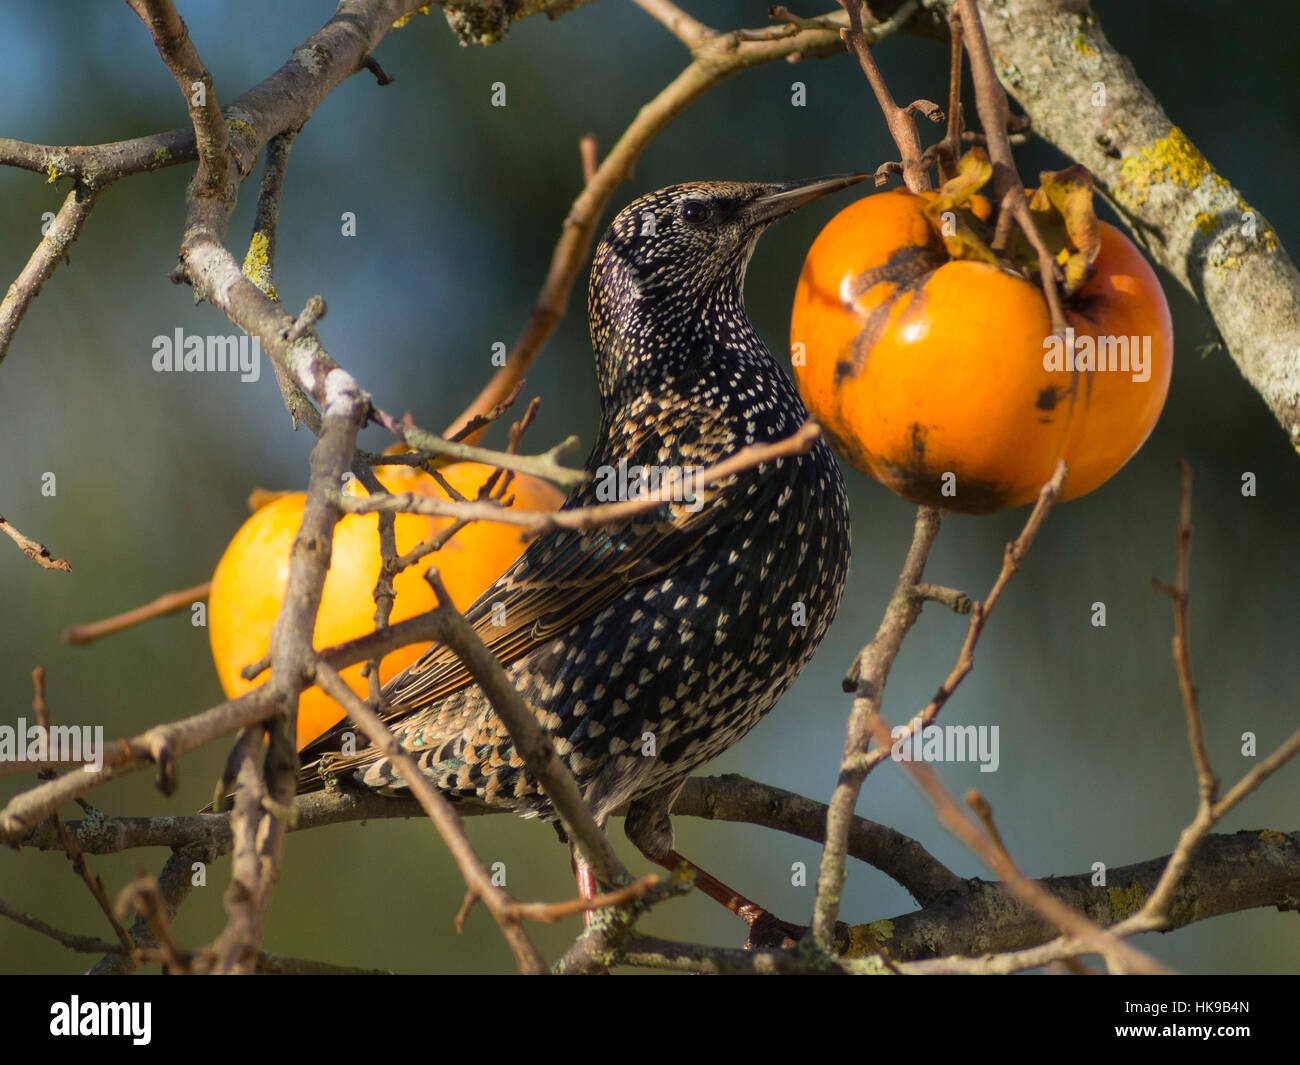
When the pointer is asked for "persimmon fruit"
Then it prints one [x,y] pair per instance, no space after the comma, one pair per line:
[250,580]
[928,360]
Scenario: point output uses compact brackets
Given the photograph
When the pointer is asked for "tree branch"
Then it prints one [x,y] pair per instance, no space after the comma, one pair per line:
[53,249]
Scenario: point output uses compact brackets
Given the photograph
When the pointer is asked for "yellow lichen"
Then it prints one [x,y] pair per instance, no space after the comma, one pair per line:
[1206,223]
[257,264]
[407,18]
[1124,901]
[161,156]
[882,929]
[53,171]
[1172,160]
[1082,46]
[1269,835]
[244,129]
[865,939]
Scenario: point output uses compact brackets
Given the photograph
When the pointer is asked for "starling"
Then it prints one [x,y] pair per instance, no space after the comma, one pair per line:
[651,645]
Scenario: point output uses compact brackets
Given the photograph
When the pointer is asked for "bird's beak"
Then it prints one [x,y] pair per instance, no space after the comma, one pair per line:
[780,200]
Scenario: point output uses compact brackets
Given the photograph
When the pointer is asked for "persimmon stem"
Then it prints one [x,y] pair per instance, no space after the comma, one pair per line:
[1008,189]
[949,149]
[902,126]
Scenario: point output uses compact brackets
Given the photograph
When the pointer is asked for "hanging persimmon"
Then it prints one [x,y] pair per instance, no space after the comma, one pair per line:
[251,578]
[930,359]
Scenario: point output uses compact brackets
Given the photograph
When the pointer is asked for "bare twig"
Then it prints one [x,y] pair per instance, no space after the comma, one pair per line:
[534,744]
[902,126]
[172,39]
[52,250]
[538,522]
[587,152]
[735,798]
[873,669]
[160,607]
[96,886]
[690,31]
[556,911]
[38,553]
[441,813]
[84,944]
[145,898]
[1119,955]
[259,263]
[544,465]
[1155,911]
[948,150]
[1008,189]
[1179,592]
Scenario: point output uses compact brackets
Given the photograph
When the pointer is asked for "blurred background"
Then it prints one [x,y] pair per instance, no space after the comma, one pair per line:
[458,205]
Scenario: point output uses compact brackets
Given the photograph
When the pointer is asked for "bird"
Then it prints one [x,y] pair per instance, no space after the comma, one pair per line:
[647,646]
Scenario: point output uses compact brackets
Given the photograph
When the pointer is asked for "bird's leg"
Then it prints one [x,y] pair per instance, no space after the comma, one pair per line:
[765,928]
[586,878]
[587,889]
[648,826]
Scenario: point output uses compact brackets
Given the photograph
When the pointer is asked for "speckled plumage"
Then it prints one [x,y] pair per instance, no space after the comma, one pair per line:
[681,625]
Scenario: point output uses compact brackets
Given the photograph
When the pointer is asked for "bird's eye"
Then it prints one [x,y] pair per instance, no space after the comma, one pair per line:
[696,212]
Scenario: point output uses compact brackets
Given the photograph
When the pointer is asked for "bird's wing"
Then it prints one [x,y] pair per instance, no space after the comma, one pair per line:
[568,575]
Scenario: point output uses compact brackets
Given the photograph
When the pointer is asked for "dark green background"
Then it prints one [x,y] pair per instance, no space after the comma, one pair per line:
[458,207]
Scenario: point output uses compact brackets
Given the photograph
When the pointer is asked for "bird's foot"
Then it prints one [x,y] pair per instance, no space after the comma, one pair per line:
[767,931]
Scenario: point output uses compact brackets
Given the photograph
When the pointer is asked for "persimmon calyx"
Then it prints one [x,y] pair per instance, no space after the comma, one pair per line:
[1062,207]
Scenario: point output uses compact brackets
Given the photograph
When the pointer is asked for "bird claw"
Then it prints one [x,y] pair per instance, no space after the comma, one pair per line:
[767,931]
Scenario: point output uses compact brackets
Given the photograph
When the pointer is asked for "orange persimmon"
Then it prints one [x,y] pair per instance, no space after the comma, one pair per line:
[250,580]
[930,362]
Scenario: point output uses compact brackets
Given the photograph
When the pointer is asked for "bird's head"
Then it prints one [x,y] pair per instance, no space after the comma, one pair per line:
[688,237]
[680,254]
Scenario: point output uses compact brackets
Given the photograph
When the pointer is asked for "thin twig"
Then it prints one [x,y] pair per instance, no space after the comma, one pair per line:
[588,154]
[259,264]
[555,911]
[160,607]
[172,39]
[52,250]
[1179,593]
[1155,911]
[40,706]
[874,664]
[948,150]
[38,553]
[873,668]
[902,126]
[670,488]
[690,31]
[1118,954]
[145,898]
[1008,189]
[84,944]
[532,742]
[443,815]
